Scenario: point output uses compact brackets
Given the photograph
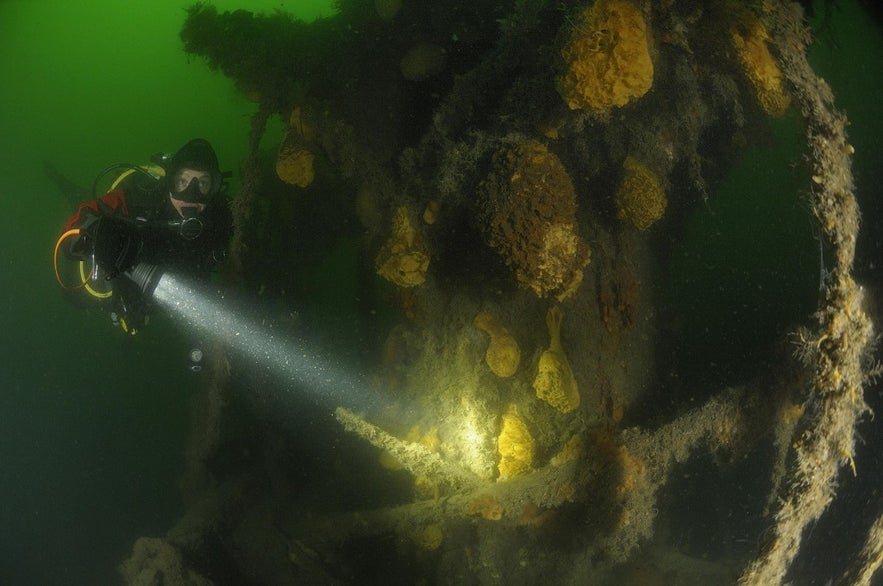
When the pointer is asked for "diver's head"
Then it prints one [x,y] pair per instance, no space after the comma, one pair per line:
[189,191]
[194,177]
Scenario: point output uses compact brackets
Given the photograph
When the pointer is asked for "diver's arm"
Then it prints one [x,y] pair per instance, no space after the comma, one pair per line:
[112,203]
[103,233]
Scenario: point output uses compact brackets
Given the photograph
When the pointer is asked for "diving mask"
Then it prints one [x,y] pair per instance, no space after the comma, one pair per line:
[191,186]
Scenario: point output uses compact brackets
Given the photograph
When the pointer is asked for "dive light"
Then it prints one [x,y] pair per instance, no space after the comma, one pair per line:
[146,276]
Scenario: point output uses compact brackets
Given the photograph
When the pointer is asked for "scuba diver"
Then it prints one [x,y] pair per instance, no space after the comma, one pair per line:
[172,216]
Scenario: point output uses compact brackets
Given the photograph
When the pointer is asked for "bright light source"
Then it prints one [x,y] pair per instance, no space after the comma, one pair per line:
[473,442]
[291,360]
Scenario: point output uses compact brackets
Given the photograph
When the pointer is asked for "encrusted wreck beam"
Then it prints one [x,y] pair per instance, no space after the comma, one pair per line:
[504,502]
[643,459]
[868,560]
[251,185]
[465,494]
[416,458]
[648,457]
[836,400]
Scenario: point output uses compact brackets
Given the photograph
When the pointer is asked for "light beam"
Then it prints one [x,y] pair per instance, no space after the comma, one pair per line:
[292,361]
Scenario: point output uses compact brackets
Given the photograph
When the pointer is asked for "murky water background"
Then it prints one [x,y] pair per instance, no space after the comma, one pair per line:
[92,425]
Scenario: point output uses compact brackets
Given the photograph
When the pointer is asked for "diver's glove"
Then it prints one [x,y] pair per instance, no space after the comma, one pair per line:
[131,305]
[117,245]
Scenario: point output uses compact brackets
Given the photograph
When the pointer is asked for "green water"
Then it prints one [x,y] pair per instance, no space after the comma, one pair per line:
[92,426]
[748,266]
[756,241]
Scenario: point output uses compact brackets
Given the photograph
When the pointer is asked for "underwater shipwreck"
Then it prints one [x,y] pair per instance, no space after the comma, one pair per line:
[505,189]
